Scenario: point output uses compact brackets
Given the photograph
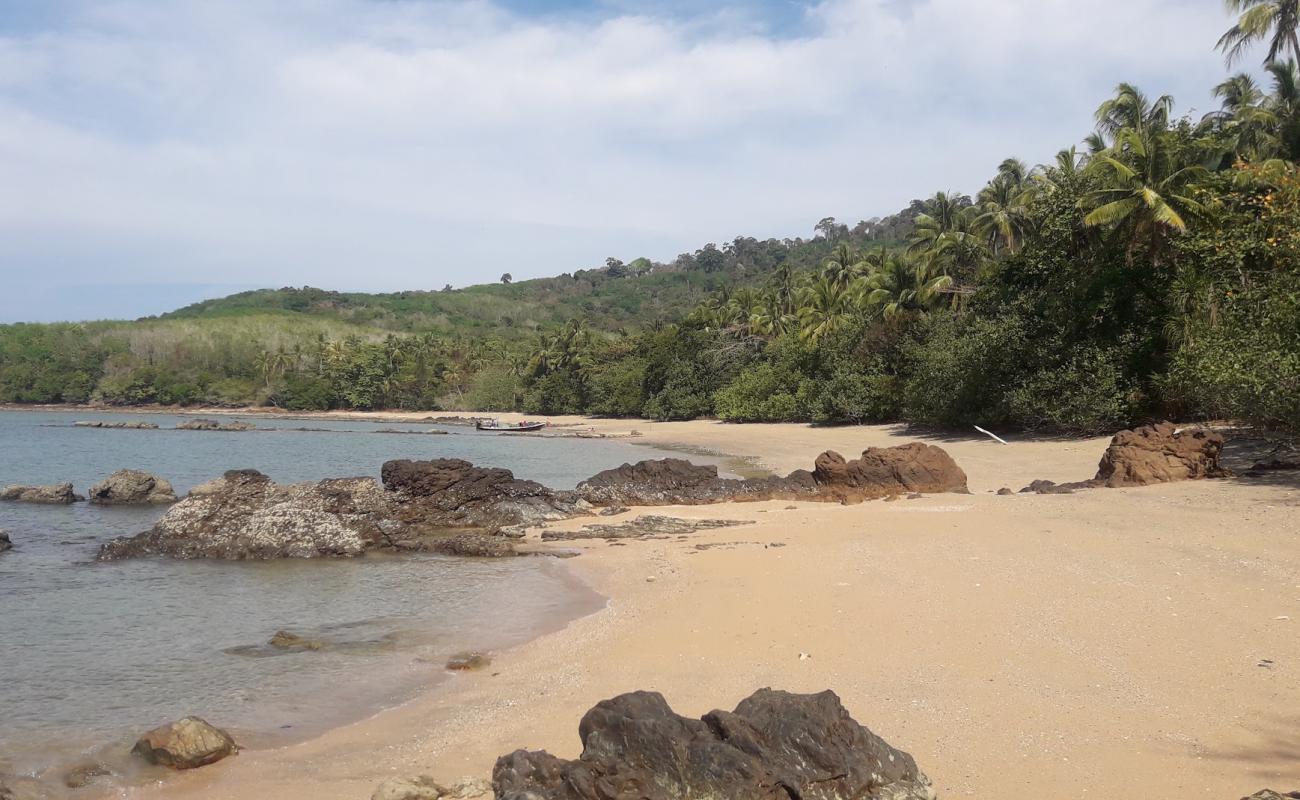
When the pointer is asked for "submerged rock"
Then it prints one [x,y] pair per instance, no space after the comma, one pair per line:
[1159,454]
[285,640]
[774,746]
[132,487]
[97,423]
[82,776]
[5,543]
[214,425]
[468,662]
[53,494]
[185,744]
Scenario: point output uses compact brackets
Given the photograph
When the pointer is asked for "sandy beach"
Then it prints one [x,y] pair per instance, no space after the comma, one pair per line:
[1109,643]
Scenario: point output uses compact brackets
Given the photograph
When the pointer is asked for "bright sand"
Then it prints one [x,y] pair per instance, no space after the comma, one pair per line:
[1114,643]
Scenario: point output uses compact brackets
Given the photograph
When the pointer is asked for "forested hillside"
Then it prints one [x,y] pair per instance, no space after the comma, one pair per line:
[1153,271]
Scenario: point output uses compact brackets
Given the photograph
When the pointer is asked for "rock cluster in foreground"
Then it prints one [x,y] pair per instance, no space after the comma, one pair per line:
[185,744]
[774,746]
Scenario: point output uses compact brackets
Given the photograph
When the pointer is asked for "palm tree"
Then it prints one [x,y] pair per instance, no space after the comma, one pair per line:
[827,306]
[840,267]
[1143,190]
[1001,212]
[1284,105]
[1243,118]
[1130,109]
[1276,21]
[901,284]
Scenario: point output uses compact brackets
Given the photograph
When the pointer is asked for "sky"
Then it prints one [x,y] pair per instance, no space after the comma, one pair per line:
[157,152]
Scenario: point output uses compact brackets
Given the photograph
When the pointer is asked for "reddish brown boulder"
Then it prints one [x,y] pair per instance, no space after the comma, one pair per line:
[1159,454]
[886,471]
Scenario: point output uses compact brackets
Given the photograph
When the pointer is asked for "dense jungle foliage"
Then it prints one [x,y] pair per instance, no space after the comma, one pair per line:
[1152,272]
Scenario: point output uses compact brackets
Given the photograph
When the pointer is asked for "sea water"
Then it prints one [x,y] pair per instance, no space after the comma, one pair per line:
[93,654]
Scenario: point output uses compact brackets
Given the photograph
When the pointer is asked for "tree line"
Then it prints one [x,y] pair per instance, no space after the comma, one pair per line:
[1152,271]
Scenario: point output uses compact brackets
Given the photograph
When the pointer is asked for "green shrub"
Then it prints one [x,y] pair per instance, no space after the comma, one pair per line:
[304,393]
[559,392]
[762,392]
[1089,393]
[618,388]
[959,370]
[854,395]
[494,390]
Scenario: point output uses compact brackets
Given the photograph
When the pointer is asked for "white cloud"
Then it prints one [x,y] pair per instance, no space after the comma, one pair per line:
[362,144]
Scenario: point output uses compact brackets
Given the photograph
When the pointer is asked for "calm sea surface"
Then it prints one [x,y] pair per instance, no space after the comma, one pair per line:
[93,654]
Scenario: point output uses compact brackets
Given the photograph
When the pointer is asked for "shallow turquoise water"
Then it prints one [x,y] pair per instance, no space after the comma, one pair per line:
[93,654]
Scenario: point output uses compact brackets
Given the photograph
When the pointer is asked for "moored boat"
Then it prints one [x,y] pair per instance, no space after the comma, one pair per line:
[498,426]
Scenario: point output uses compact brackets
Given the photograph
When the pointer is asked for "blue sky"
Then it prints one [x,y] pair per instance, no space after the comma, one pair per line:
[155,152]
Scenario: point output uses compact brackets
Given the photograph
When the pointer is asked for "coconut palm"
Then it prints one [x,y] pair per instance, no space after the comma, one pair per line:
[1274,21]
[901,284]
[826,307]
[1144,190]
[1001,216]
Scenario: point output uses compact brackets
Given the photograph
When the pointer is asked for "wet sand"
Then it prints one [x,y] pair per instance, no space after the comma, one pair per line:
[1109,643]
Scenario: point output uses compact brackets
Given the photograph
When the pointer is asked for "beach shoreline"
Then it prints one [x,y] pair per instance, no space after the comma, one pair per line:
[1130,642]
[1019,647]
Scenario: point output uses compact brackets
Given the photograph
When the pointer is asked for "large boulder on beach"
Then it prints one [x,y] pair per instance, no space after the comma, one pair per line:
[52,494]
[132,487]
[774,746]
[886,471]
[1159,454]
[185,744]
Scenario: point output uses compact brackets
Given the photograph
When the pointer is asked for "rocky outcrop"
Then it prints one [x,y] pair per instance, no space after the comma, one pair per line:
[214,425]
[1159,454]
[244,515]
[185,744]
[5,543]
[880,472]
[885,471]
[1269,794]
[774,746]
[99,423]
[54,494]
[451,493]
[132,487]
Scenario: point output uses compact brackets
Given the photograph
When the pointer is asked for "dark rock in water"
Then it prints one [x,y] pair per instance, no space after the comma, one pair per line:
[96,423]
[214,425]
[643,527]
[1159,454]
[132,487]
[774,746]
[53,494]
[285,640]
[467,662]
[5,543]
[185,744]
[84,775]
